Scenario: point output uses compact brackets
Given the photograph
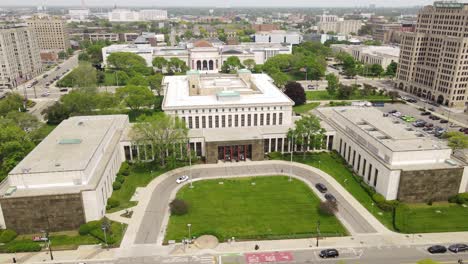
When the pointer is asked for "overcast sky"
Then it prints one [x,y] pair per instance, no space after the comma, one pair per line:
[221,3]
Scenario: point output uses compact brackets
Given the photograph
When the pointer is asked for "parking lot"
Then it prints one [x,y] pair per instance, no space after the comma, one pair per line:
[408,110]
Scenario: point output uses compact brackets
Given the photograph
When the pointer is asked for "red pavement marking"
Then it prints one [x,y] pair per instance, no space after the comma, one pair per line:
[268,257]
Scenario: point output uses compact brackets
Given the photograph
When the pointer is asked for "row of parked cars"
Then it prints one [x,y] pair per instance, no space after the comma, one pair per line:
[455,248]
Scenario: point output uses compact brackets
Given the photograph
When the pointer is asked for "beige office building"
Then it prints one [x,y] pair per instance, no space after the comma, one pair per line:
[51,32]
[434,59]
[19,56]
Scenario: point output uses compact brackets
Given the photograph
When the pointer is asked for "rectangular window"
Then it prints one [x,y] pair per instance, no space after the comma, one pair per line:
[190,122]
[344,150]
[341,144]
[242,120]
[197,122]
[210,121]
[217,121]
[266,145]
[203,122]
[349,153]
[255,119]
[280,144]
[183,119]
[273,144]
[280,121]
[274,119]
[236,120]
[223,121]
[354,157]
[127,153]
[364,168]
[369,173]
[375,177]
[249,121]
[229,120]
[268,119]
[261,119]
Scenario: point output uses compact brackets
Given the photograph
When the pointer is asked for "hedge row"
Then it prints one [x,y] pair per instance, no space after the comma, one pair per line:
[461,198]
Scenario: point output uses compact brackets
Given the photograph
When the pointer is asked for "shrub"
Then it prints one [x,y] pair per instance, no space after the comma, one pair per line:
[22,246]
[328,208]
[120,178]
[112,203]
[453,199]
[85,229]
[383,204]
[275,155]
[124,169]
[7,235]
[116,185]
[460,198]
[178,207]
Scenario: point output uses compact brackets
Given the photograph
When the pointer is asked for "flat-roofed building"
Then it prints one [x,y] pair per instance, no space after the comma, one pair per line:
[278,36]
[51,32]
[394,159]
[66,180]
[340,27]
[382,55]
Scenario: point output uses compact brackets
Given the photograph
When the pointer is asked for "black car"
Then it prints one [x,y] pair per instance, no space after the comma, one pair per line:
[321,187]
[329,253]
[392,111]
[437,249]
[458,248]
[444,121]
[329,197]
[433,117]
[425,113]
[64,90]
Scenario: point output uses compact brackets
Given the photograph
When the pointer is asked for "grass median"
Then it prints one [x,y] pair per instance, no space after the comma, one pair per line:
[324,95]
[305,108]
[272,208]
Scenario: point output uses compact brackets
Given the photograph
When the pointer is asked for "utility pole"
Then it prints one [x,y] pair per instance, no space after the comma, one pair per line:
[292,150]
[190,164]
[318,231]
[48,238]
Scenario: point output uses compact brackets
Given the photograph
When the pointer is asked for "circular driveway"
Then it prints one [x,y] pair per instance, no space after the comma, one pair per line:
[151,214]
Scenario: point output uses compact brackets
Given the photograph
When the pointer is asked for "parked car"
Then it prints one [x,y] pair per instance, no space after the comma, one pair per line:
[392,111]
[433,117]
[455,248]
[437,249]
[182,179]
[321,187]
[408,118]
[64,90]
[412,100]
[385,114]
[419,123]
[45,94]
[329,253]
[45,76]
[427,129]
[426,113]
[432,109]
[329,197]
[443,121]
[429,125]
[396,114]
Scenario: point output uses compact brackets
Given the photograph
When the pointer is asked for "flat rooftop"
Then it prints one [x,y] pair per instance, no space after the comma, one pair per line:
[177,94]
[393,133]
[70,146]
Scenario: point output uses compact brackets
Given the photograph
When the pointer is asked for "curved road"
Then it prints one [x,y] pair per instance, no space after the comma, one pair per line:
[150,216]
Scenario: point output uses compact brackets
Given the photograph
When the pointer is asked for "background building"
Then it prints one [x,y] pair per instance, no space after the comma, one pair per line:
[326,18]
[51,32]
[19,55]
[66,180]
[382,55]
[396,161]
[79,14]
[126,15]
[278,36]
[434,59]
[340,27]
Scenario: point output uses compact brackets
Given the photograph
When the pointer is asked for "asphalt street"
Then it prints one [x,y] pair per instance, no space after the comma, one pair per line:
[151,226]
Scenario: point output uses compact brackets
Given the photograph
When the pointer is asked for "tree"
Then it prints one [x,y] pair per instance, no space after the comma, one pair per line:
[160,63]
[249,63]
[332,83]
[62,55]
[328,208]
[155,83]
[177,65]
[165,133]
[56,113]
[376,69]
[11,102]
[295,91]
[279,78]
[138,80]
[393,95]
[178,207]
[307,133]
[345,91]
[365,30]
[127,61]
[85,75]
[391,69]
[456,140]
[231,65]
[135,97]
[25,121]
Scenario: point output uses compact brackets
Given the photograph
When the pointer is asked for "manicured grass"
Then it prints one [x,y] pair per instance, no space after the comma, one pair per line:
[272,208]
[332,164]
[302,109]
[440,217]
[324,95]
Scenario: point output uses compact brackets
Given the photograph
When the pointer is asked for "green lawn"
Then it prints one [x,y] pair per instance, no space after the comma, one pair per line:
[440,217]
[272,208]
[302,109]
[323,95]
[332,164]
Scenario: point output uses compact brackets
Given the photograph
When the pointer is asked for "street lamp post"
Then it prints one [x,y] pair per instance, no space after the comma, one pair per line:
[105,235]
[318,231]
[189,232]
[190,165]
[292,150]
[48,238]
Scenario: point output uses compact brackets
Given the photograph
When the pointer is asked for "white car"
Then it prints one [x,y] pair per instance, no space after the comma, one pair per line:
[396,114]
[182,179]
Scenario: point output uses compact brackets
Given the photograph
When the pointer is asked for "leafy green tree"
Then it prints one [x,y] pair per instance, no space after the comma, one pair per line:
[345,91]
[11,102]
[62,55]
[456,140]
[393,95]
[160,63]
[332,83]
[376,69]
[25,121]
[231,65]
[307,132]
[177,65]
[80,101]
[349,64]
[279,78]
[83,56]
[391,69]
[85,75]
[164,132]
[121,78]
[295,91]
[155,83]
[249,63]
[126,61]
[56,113]
[136,97]
[138,80]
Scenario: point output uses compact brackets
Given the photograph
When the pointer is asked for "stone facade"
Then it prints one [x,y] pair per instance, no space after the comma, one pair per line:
[28,215]
[212,149]
[426,185]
